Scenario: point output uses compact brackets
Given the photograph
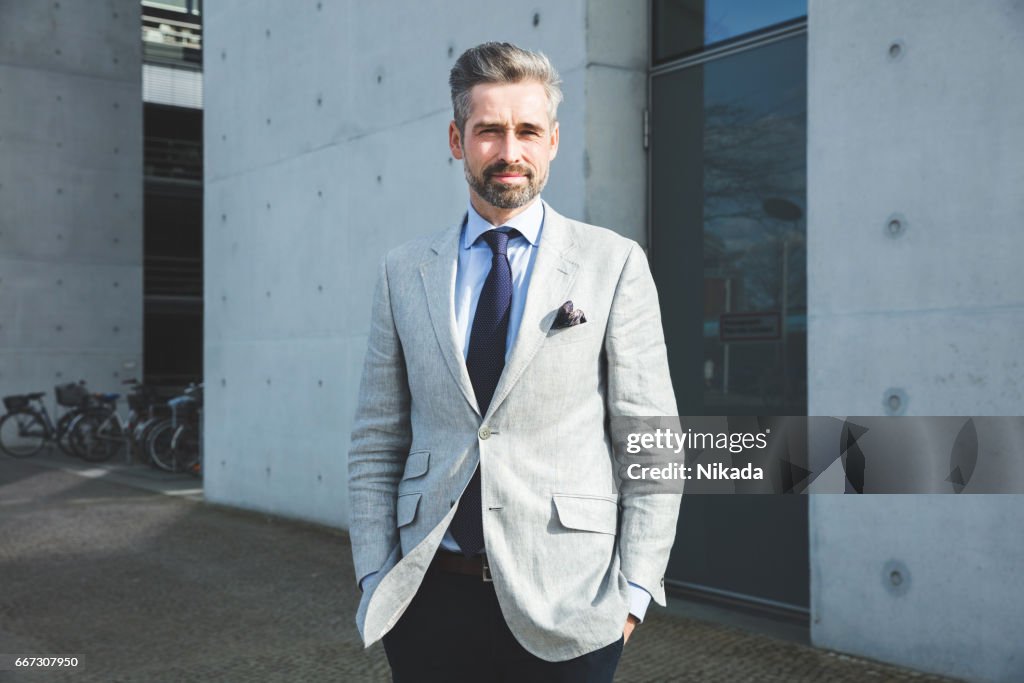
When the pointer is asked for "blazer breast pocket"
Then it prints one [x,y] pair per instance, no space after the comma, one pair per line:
[573,335]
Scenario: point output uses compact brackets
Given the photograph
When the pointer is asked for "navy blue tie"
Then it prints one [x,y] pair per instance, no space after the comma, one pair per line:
[485,361]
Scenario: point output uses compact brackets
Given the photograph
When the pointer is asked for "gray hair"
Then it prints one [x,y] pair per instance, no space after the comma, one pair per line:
[500,63]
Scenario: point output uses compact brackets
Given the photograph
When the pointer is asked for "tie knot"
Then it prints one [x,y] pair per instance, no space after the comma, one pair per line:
[497,240]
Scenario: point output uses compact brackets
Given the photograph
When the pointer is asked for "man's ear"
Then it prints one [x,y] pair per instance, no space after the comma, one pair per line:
[554,141]
[455,140]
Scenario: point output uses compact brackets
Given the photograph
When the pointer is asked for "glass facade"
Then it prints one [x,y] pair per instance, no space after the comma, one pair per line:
[728,253]
[729,176]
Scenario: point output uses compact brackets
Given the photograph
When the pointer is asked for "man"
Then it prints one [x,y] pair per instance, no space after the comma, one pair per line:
[490,537]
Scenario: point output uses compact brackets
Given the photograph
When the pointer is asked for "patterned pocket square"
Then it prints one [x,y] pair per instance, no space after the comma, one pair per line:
[567,317]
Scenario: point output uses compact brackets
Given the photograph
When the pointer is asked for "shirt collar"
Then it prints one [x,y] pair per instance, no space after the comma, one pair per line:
[528,223]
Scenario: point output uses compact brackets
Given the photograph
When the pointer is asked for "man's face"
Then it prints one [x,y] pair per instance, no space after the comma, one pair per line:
[508,143]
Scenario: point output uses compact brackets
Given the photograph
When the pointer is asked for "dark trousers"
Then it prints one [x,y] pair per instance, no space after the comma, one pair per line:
[454,631]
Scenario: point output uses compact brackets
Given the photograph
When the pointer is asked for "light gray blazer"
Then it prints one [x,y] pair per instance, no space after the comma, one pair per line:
[561,540]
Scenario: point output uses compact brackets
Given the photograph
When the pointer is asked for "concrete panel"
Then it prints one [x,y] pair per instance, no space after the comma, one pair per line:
[913,115]
[966,368]
[615,161]
[953,605]
[70,194]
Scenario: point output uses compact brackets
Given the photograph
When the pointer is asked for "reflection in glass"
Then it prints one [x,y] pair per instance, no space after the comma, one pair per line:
[731,186]
[684,26]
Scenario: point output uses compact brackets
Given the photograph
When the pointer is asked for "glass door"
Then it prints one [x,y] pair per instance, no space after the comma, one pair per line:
[728,251]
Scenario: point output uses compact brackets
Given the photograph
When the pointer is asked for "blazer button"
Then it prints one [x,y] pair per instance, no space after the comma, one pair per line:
[484,433]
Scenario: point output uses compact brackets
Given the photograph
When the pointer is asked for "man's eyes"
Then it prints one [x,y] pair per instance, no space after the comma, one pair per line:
[501,131]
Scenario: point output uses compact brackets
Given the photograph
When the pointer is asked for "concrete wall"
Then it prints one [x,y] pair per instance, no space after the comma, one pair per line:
[915,113]
[70,194]
[318,117]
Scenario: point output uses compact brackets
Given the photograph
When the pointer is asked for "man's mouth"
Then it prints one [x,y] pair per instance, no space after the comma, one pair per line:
[510,178]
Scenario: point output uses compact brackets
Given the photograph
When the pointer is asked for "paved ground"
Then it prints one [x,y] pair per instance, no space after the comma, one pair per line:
[150,587]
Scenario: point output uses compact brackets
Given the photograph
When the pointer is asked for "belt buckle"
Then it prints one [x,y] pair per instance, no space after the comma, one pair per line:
[485,570]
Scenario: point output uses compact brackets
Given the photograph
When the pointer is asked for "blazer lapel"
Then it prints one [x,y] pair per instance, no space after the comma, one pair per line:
[553,274]
[438,273]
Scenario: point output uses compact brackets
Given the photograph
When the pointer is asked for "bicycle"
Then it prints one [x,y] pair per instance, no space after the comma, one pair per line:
[100,434]
[27,428]
[174,444]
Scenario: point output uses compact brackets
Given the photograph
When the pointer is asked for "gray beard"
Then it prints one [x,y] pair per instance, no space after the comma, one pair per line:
[503,196]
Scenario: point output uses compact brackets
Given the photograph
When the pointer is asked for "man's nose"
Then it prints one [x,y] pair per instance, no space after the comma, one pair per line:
[511,149]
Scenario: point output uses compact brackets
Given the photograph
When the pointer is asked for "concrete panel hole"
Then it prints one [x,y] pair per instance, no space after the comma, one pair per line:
[268,33]
[116,285]
[268,206]
[894,401]
[268,471]
[60,282]
[320,193]
[223,382]
[59,98]
[57,51]
[59,237]
[59,145]
[59,374]
[268,381]
[895,225]
[116,329]
[268,120]
[896,577]
[319,288]
[117,240]
[896,50]
[268,293]
[319,100]
[319,6]
[450,161]
[117,195]
[60,328]
[378,180]
[116,105]
[116,60]
[223,297]
[536,19]
[379,78]
[223,137]
[223,55]
[451,50]
[223,218]
[319,382]
[60,190]
[319,477]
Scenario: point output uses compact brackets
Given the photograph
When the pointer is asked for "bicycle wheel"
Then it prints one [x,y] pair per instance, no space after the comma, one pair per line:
[96,436]
[161,453]
[22,435]
[108,440]
[185,448]
[64,432]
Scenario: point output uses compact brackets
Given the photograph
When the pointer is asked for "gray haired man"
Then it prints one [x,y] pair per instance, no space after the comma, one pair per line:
[490,537]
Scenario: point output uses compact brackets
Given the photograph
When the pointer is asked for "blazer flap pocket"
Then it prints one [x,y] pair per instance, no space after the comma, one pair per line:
[587,513]
[416,464]
[407,505]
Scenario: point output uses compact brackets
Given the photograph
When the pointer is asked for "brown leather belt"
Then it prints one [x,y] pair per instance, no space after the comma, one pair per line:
[454,563]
